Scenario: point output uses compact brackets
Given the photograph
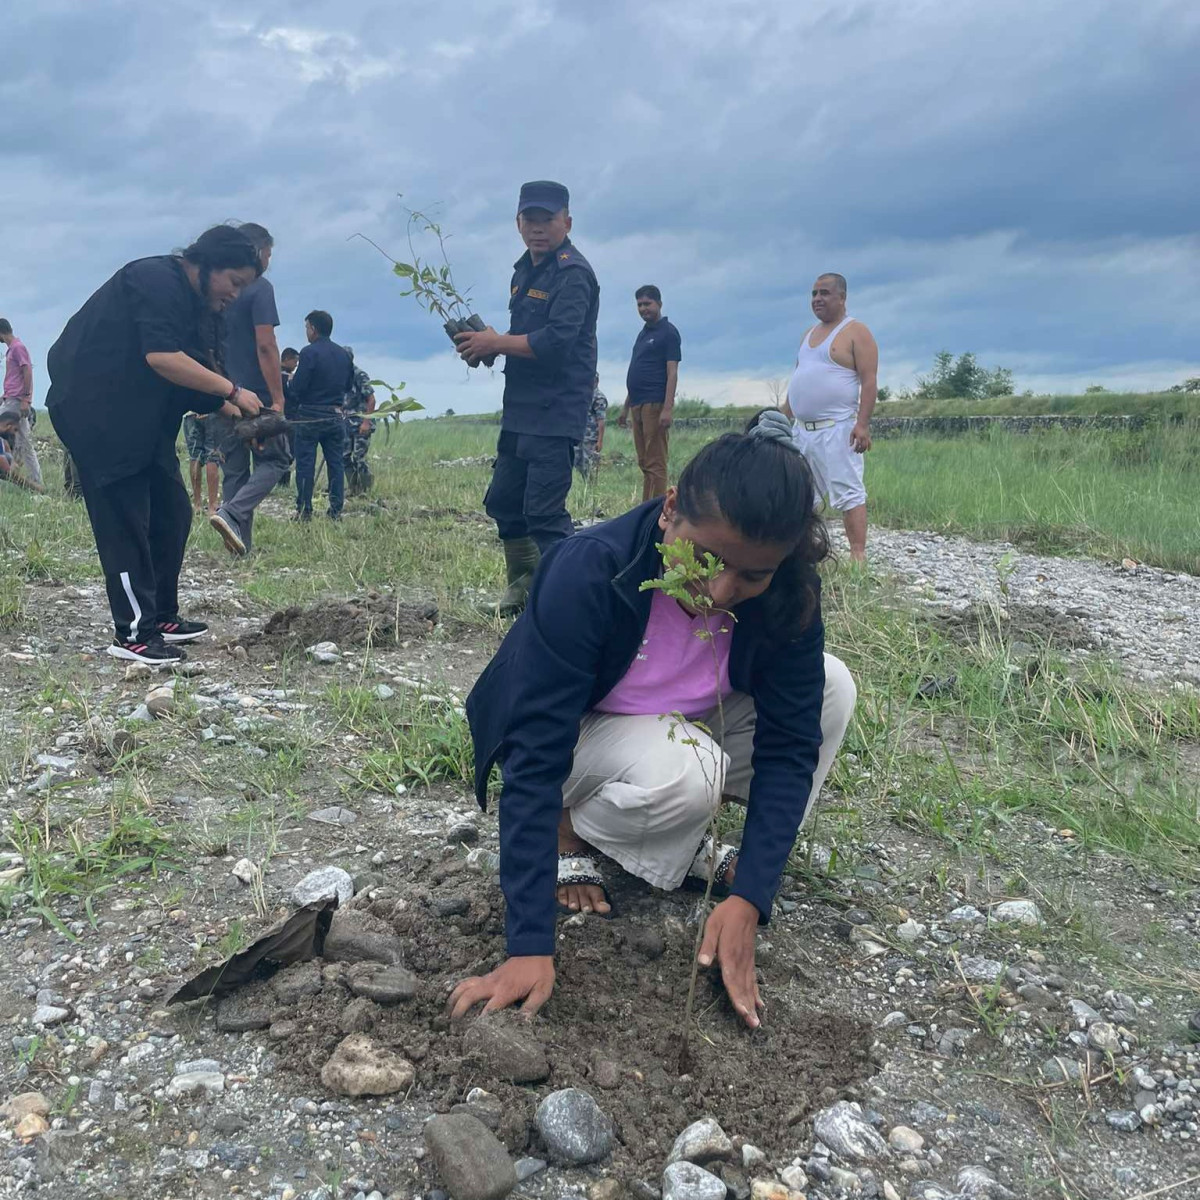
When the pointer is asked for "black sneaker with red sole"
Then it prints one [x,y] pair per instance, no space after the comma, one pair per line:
[179,630]
[153,651]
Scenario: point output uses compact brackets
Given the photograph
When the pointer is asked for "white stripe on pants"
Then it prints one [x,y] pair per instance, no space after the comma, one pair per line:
[642,798]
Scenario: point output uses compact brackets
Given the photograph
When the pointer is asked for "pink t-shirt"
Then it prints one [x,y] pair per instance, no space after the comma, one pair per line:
[673,670]
[18,357]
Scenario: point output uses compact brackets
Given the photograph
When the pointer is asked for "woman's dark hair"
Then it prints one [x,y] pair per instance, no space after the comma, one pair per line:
[221,248]
[763,487]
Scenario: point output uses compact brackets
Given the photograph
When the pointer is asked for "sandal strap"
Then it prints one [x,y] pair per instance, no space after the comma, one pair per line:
[725,856]
[576,869]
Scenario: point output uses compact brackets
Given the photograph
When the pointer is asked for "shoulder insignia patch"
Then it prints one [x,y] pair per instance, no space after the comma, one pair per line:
[564,256]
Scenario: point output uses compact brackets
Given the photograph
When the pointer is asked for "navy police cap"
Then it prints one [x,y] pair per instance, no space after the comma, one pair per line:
[543,193]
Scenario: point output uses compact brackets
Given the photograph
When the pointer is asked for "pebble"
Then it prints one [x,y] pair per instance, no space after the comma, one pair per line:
[334,815]
[348,941]
[752,1156]
[361,1067]
[21,1105]
[469,1158]
[321,883]
[910,931]
[1125,1120]
[1103,1037]
[889,1192]
[243,870]
[50,1014]
[981,970]
[1082,1013]
[384,692]
[702,1142]
[904,1139]
[31,1125]
[967,914]
[528,1167]
[196,1083]
[978,1183]
[606,1189]
[241,1012]
[324,652]
[846,1132]
[794,1178]
[387,986]
[687,1181]
[359,1016]
[847,1181]
[1061,1070]
[1017,912]
[769,1189]
[507,1050]
[573,1128]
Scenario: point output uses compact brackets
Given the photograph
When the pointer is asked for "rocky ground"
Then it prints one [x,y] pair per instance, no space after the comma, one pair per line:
[932,1031]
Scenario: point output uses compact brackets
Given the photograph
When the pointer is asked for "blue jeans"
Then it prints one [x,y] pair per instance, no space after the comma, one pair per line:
[330,434]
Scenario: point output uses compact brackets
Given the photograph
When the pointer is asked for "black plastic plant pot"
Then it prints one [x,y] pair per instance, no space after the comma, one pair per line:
[471,324]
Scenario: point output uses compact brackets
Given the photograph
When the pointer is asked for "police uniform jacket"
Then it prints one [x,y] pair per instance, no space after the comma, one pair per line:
[556,304]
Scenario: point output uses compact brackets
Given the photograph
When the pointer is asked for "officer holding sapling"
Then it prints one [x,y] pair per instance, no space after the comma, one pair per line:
[549,375]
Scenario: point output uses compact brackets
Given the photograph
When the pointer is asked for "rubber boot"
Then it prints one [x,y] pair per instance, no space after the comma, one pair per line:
[521,557]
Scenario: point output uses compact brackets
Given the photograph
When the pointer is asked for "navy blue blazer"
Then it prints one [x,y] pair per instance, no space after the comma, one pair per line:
[577,637]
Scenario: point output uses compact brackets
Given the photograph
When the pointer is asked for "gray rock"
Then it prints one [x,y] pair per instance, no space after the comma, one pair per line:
[208,1084]
[894,1020]
[848,1134]
[1103,1037]
[1062,1070]
[794,1178]
[978,1183]
[529,1167]
[1036,995]
[1125,1120]
[334,815]
[686,1181]
[1152,1114]
[50,1014]
[359,1016]
[573,1128]
[1017,912]
[981,970]
[910,931]
[469,1158]
[847,1181]
[1082,1013]
[324,652]
[506,1050]
[702,1142]
[141,714]
[953,1041]
[967,914]
[243,870]
[323,882]
[192,1065]
[904,1139]
[752,1156]
[349,941]
[451,906]
[240,1012]
[926,1189]
[361,1067]
[297,982]
[57,1151]
[384,692]
[737,1186]
[388,986]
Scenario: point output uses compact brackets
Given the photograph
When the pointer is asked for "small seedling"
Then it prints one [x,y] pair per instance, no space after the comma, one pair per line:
[686,579]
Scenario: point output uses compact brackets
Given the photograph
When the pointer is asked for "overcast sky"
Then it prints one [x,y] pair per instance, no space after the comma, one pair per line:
[1015,178]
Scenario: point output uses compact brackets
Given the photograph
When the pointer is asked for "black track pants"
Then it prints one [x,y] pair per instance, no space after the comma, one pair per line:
[141,526]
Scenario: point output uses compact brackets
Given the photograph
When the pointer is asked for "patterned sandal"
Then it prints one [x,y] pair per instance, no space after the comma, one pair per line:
[582,870]
[696,878]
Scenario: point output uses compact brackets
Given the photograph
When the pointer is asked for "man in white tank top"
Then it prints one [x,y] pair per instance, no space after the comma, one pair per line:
[831,397]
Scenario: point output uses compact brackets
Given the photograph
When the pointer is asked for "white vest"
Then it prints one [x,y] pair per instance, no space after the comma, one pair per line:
[820,389]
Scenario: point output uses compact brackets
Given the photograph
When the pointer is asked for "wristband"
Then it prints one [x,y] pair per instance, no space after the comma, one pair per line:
[233,392]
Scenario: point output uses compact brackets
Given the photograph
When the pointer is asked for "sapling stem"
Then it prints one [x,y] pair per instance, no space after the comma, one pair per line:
[685,579]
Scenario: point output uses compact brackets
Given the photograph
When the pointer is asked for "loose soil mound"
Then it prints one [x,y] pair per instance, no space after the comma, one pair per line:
[371,618]
[611,1026]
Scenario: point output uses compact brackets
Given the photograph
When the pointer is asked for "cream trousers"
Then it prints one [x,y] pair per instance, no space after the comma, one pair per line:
[644,797]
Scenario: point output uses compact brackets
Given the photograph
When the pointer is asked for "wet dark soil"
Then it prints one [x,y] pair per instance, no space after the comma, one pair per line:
[611,1027]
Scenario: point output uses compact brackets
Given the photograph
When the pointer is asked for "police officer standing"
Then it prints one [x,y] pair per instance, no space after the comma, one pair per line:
[549,376]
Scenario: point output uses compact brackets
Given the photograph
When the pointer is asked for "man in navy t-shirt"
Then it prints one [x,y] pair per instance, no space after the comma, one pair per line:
[650,390]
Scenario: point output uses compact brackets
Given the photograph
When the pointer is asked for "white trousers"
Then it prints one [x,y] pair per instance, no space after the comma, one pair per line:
[644,797]
[837,468]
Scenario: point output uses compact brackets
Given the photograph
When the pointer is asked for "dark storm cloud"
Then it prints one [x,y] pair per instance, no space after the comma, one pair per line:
[1015,179]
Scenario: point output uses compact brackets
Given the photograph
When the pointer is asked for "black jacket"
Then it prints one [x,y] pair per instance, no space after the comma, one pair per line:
[577,637]
[556,303]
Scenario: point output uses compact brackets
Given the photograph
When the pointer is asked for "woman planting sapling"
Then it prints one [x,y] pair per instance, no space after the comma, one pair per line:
[572,707]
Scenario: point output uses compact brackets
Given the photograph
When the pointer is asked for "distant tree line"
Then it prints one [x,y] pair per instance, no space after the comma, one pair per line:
[961,378]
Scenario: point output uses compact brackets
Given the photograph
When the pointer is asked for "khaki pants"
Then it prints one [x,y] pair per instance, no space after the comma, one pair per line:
[645,800]
[650,441]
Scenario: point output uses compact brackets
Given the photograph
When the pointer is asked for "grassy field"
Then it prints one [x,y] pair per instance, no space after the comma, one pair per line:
[1084,404]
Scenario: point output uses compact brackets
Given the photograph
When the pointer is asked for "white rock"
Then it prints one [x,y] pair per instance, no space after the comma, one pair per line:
[324,652]
[703,1141]
[243,870]
[906,1140]
[686,1181]
[194,1083]
[1017,912]
[334,815]
[981,970]
[967,914]
[910,931]
[794,1178]
[323,882]
[1103,1037]
[383,692]
[752,1156]
[846,1132]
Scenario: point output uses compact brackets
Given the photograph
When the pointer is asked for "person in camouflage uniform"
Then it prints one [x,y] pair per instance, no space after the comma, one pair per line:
[361,399]
[587,453]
